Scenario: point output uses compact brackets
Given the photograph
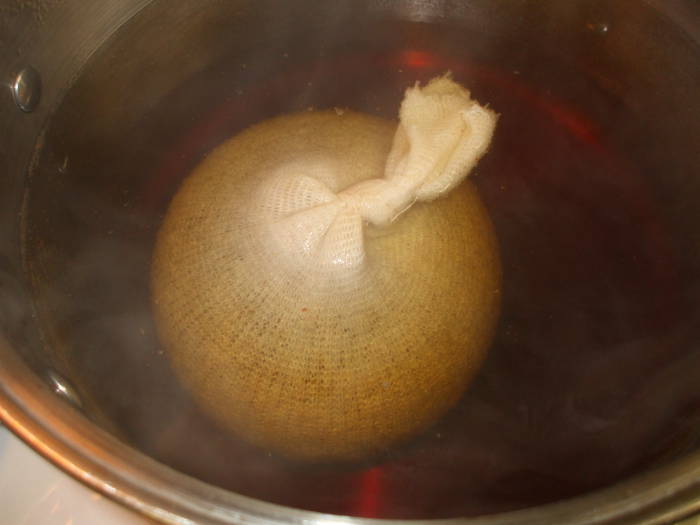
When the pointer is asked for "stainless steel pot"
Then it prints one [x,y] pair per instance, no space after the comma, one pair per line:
[588,410]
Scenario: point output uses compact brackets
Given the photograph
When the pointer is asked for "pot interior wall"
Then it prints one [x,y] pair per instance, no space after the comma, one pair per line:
[591,183]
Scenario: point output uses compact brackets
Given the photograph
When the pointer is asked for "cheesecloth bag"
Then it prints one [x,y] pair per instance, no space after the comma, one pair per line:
[300,301]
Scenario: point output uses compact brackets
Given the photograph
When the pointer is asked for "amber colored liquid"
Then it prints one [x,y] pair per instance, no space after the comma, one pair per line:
[586,380]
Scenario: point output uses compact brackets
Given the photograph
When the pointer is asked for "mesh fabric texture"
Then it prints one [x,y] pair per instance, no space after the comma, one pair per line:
[294,308]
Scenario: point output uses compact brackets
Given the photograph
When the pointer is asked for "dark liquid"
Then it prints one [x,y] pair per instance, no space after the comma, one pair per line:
[587,380]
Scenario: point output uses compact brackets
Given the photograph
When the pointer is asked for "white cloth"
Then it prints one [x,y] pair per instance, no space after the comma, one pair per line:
[441,136]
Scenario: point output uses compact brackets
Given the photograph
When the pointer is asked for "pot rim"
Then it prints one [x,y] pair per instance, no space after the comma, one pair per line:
[77,446]
[80,448]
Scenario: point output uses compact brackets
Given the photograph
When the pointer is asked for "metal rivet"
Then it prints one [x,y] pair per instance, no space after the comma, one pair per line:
[26,89]
[63,388]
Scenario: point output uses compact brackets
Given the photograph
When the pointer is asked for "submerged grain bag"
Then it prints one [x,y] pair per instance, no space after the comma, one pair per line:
[320,288]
